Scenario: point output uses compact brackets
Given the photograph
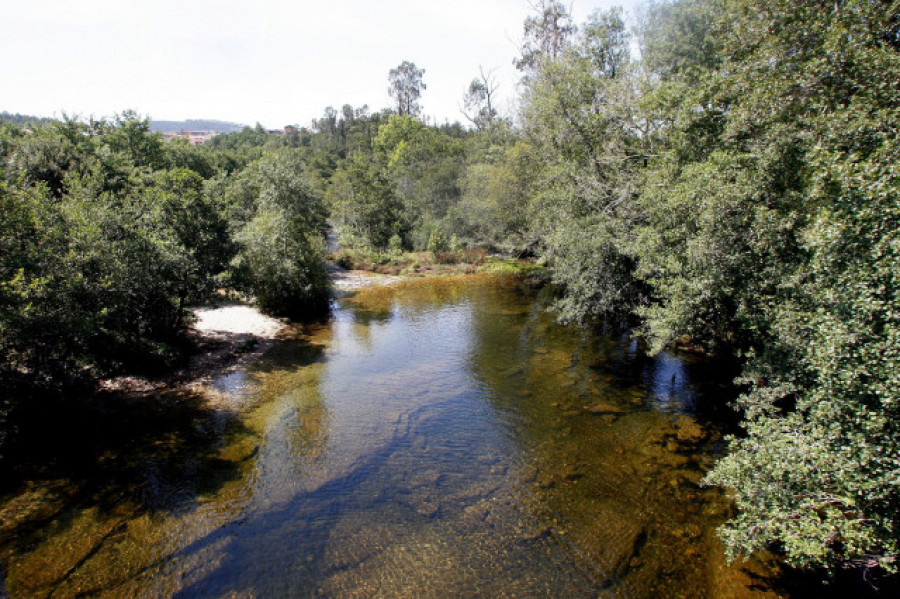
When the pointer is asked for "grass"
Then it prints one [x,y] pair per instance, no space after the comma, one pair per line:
[513,266]
[412,264]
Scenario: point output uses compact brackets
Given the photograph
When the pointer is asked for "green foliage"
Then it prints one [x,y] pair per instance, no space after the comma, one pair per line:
[195,125]
[282,244]
[739,186]
[479,101]
[408,179]
[496,204]
[437,242]
[579,115]
[395,247]
[364,206]
[108,236]
[105,275]
[102,249]
[546,34]
[24,120]
[772,225]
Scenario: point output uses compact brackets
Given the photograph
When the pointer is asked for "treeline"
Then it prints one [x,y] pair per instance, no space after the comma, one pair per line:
[735,187]
[23,119]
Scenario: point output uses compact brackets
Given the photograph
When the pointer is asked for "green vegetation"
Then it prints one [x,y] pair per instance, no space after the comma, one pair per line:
[23,120]
[282,239]
[737,185]
[108,235]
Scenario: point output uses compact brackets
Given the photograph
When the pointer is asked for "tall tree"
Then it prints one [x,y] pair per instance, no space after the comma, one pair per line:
[579,114]
[406,87]
[771,226]
[547,34]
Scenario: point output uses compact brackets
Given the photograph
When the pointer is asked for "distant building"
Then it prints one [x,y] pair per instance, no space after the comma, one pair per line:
[195,137]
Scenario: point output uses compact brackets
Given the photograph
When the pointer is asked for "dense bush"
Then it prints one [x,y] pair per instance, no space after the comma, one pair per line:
[282,244]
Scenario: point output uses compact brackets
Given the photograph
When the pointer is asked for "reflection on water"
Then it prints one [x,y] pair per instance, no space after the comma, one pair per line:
[442,438]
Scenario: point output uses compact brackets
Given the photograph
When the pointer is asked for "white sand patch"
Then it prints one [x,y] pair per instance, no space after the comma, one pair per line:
[237,320]
[357,279]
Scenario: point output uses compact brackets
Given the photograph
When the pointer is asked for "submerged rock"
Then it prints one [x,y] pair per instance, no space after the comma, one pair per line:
[545,482]
[573,475]
[690,476]
[536,534]
[624,547]
[688,430]
[476,513]
[605,408]
[693,531]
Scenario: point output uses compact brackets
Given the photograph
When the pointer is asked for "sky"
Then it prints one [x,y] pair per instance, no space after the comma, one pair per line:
[273,62]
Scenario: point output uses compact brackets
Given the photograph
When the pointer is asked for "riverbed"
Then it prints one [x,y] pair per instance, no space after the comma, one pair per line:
[438,437]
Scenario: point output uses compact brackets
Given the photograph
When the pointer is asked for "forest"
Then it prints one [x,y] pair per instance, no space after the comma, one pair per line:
[725,177]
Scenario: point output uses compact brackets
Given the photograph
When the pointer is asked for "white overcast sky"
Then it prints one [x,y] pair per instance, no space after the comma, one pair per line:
[276,62]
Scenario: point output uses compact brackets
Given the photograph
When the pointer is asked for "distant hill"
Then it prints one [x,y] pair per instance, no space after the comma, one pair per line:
[195,125]
[24,119]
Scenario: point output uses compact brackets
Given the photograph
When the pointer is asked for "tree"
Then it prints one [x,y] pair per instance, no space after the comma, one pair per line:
[102,249]
[546,36]
[771,224]
[579,114]
[605,42]
[479,100]
[364,205]
[496,204]
[816,473]
[405,87]
[281,256]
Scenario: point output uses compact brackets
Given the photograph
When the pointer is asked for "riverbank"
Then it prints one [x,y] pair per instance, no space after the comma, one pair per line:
[224,337]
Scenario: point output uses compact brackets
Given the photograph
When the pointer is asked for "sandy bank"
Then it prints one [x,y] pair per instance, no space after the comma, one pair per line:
[235,320]
[225,337]
[230,336]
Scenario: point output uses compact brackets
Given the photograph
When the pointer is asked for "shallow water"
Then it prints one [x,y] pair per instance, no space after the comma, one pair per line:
[442,437]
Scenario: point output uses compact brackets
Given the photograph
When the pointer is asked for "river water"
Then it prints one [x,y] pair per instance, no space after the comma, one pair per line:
[438,438]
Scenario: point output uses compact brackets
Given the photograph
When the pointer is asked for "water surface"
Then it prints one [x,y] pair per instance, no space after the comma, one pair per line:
[443,437]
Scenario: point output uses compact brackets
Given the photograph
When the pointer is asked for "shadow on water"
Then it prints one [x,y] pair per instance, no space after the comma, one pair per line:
[816,584]
[116,460]
[151,451]
[674,381]
[301,527]
[89,475]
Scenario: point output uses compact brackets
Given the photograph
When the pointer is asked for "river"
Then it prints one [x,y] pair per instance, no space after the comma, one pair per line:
[441,437]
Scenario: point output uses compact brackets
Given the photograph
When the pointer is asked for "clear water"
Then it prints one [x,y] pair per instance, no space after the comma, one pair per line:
[440,438]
